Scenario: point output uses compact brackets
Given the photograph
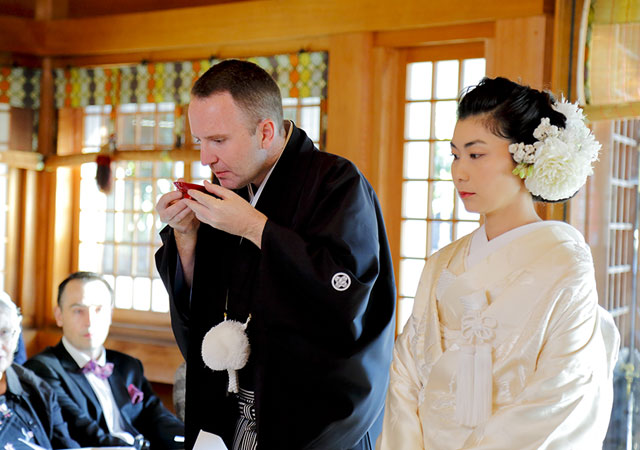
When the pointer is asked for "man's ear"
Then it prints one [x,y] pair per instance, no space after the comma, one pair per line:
[267,129]
[57,313]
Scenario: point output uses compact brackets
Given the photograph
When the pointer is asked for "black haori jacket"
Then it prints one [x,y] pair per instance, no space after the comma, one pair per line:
[320,353]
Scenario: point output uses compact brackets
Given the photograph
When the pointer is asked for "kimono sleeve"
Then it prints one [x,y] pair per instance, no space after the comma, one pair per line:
[170,270]
[329,264]
[402,428]
[567,401]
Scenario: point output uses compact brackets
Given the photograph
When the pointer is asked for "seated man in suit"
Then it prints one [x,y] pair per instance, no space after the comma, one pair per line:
[29,410]
[104,394]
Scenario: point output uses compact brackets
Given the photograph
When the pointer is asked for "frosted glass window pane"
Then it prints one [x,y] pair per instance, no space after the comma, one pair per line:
[178,170]
[4,127]
[164,169]
[165,130]
[128,227]
[88,170]
[143,259]
[127,130]
[142,294]
[92,226]
[118,194]
[417,120]
[414,239]
[462,212]
[415,199]
[464,228]
[442,201]
[123,291]
[166,106]
[143,194]
[89,256]
[310,101]
[419,81]
[440,235]
[119,226]
[109,227]
[159,297]
[147,128]
[289,101]
[147,107]
[124,260]
[445,119]
[416,160]
[290,114]
[93,109]
[410,271]
[128,107]
[200,172]
[310,122]
[91,199]
[107,259]
[405,307]
[3,169]
[129,194]
[472,71]
[92,136]
[447,79]
[143,228]
[442,160]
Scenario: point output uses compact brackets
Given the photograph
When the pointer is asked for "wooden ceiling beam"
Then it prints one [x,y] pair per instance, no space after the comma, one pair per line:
[245,23]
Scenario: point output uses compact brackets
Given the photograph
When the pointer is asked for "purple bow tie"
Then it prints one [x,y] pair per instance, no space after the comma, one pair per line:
[102,372]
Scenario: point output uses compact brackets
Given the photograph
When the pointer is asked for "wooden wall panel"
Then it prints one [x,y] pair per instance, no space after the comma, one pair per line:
[522,51]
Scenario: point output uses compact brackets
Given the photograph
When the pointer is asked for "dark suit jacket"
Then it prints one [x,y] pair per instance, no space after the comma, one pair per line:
[81,408]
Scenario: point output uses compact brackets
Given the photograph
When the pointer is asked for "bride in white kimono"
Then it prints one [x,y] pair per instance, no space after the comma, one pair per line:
[507,347]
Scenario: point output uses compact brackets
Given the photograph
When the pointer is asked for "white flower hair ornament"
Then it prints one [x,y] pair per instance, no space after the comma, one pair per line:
[557,165]
[226,347]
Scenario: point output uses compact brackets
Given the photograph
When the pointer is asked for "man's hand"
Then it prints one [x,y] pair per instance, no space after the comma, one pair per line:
[228,212]
[175,212]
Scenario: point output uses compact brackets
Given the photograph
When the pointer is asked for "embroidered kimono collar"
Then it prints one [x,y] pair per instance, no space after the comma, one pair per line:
[480,247]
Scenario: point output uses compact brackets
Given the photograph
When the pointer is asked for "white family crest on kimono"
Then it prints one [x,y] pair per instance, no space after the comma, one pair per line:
[510,352]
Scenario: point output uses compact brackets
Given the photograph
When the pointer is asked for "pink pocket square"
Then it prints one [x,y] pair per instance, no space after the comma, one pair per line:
[136,394]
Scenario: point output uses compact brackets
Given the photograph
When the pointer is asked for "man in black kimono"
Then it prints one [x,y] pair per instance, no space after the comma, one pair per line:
[292,238]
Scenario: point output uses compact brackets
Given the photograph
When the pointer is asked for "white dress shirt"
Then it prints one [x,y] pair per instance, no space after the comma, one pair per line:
[103,392]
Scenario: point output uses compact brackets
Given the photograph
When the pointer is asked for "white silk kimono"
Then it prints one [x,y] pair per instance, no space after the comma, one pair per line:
[510,353]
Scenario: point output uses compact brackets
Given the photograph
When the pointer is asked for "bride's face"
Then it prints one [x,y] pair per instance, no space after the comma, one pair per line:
[482,167]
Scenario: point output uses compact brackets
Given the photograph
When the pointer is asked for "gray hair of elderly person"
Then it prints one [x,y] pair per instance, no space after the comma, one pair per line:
[9,310]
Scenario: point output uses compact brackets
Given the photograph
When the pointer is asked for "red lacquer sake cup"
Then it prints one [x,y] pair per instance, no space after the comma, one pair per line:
[183,187]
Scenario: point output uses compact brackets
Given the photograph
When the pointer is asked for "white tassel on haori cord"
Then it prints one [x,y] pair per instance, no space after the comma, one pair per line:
[474,384]
[226,347]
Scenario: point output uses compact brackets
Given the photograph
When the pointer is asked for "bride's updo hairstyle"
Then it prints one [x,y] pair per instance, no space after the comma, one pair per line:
[509,110]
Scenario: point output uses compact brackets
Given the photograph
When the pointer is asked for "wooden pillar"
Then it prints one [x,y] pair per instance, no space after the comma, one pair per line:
[39,214]
[350,100]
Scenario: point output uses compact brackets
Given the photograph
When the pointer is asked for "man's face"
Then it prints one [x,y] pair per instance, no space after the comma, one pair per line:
[8,338]
[85,314]
[227,144]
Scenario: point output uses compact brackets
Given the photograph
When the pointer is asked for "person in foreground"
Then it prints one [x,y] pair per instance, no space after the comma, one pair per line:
[104,395]
[288,260]
[29,410]
[507,346]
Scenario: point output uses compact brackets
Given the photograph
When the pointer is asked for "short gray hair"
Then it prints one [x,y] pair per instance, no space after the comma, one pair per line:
[8,307]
